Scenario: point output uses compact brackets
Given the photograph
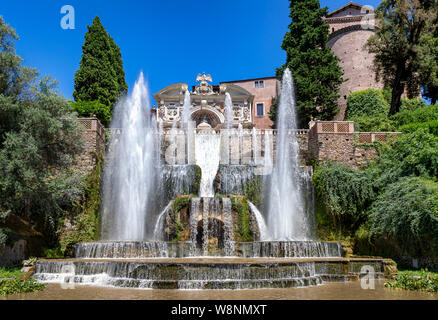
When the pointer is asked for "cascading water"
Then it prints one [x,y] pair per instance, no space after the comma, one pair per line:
[130,174]
[207,156]
[288,218]
[264,232]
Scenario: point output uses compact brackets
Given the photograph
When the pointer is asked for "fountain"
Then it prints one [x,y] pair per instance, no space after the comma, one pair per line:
[130,175]
[196,219]
[288,219]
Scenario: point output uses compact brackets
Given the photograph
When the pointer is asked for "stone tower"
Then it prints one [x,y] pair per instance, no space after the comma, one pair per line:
[350,28]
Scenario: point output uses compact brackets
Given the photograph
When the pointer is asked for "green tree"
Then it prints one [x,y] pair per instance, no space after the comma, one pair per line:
[400,44]
[315,68]
[39,138]
[100,76]
[405,215]
[16,80]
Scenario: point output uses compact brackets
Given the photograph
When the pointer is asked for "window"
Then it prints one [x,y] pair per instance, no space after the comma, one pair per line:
[259,84]
[260,111]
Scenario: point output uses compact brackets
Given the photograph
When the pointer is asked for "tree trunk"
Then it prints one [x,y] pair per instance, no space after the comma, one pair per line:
[397,91]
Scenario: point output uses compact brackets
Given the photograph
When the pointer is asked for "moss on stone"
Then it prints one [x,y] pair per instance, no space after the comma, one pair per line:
[253,191]
[84,220]
[240,206]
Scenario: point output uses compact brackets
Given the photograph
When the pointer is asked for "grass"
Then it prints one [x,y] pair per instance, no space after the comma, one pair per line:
[419,280]
[16,284]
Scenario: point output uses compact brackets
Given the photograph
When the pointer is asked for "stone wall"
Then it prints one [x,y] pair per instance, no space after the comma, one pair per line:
[337,141]
[94,144]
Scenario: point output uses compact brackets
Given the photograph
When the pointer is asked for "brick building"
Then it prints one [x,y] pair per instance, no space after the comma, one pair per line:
[264,90]
[350,28]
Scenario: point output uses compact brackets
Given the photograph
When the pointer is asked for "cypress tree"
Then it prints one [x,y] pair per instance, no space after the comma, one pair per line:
[314,66]
[100,76]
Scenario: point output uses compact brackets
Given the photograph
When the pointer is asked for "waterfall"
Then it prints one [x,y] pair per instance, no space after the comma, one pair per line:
[130,175]
[207,156]
[229,244]
[288,218]
[264,233]
[159,225]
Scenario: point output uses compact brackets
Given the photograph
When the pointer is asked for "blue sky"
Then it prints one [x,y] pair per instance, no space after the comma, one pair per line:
[170,40]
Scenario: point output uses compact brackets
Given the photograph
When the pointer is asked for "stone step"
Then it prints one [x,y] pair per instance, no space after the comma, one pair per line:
[211,273]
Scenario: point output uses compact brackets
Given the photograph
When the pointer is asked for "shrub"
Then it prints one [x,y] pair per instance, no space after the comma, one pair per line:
[368,102]
[423,114]
[409,154]
[15,284]
[411,104]
[90,108]
[377,123]
[406,215]
[346,193]
[415,280]
[430,127]
[240,206]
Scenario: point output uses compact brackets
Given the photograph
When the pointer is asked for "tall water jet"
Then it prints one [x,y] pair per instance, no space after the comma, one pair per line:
[288,219]
[229,115]
[185,118]
[129,175]
[267,159]
[188,125]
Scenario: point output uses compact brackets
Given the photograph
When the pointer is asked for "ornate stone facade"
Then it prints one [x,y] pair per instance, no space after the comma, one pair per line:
[208,102]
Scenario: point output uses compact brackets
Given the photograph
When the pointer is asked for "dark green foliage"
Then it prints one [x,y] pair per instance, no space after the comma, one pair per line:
[41,138]
[239,205]
[401,46]
[394,200]
[424,114]
[411,104]
[430,127]
[254,191]
[410,154]
[406,215]
[273,113]
[100,76]
[367,103]
[86,109]
[346,194]
[315,68]
[415,280]
[377,123]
